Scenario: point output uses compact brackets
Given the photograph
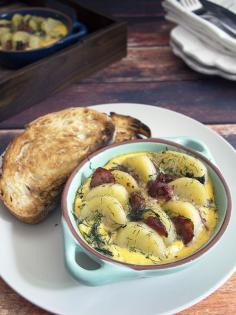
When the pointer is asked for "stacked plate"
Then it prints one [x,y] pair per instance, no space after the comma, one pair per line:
[201,44]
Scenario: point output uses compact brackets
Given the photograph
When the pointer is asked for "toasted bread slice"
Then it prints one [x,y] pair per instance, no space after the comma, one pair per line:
[39,161]
[129,128]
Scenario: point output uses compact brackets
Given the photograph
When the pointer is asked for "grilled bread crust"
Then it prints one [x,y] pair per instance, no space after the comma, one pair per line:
[129,128]
[38,162]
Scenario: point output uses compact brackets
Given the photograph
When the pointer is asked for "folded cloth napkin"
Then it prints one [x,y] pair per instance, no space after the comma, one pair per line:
[203,29]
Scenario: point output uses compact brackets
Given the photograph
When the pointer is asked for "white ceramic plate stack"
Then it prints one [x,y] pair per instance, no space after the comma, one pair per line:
[200,44]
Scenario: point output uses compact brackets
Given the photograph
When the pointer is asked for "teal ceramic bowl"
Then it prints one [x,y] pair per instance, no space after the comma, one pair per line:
[79,255]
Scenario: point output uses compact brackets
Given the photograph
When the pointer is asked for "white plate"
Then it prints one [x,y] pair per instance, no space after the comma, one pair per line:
[32,256]
[196,49]
[195,65]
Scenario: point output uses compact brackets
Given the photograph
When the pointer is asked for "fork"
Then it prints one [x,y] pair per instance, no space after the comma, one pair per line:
[196,7]
[193,6]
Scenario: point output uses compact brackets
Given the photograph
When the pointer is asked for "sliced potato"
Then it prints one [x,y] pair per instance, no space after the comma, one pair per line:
[114,190]
[20,36]
[53,27]
[181,164]
[189,189]
[142,166]
[186,210]
[108,206]
[34,42]
[33,24]
[141,237]
[5,38]
[126,180]
[17,19]
[4,30]
[5,22]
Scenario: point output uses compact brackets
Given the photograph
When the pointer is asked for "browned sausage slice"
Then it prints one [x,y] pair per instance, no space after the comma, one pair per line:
[137,201]
[101,176]
[184,228]
[158,189]
[156,224]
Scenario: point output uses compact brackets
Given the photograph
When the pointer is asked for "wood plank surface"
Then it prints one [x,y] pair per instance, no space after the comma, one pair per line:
[148,31]
[147,64]
[211,102]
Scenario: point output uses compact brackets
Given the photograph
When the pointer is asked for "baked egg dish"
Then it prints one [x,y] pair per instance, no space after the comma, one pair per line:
[27,32]
[147,208]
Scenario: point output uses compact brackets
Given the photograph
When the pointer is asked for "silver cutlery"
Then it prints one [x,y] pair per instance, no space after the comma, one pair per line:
[219,16]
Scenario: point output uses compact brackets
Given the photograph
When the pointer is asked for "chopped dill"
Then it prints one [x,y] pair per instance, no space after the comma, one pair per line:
[139,215]
[95,236]
[104,251]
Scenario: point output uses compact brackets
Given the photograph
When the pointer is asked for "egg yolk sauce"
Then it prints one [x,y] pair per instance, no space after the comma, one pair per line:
[147,208]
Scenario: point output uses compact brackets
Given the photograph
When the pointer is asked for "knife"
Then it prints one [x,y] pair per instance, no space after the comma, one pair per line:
[225,16]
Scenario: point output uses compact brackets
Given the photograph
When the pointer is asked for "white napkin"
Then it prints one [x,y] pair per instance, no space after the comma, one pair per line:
[206,31]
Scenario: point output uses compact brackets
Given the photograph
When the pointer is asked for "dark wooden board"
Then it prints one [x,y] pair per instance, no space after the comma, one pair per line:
[126,8]
[105,43]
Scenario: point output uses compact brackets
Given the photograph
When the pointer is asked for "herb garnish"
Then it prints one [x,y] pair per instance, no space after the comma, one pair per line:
[104,251]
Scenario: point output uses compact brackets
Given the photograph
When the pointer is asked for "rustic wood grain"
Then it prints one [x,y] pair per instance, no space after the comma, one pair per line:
[211,101]
[227,131]
[148,31]
[147,64]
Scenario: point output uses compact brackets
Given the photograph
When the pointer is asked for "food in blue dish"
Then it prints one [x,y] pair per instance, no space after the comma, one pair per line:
[28,32]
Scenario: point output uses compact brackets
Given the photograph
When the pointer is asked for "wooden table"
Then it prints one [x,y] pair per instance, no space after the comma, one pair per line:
[150,74]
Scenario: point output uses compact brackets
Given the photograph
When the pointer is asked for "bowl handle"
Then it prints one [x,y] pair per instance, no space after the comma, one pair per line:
[79,30]
[105,272]
[195,145]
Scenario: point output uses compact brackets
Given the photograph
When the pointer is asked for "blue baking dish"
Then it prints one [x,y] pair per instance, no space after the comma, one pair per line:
[17,59]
